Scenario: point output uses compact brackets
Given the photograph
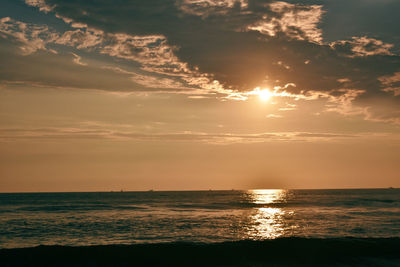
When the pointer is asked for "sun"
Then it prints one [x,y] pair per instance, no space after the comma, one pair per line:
[264,94]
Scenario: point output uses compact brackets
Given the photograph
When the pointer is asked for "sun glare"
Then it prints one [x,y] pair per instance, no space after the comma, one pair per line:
[264,94]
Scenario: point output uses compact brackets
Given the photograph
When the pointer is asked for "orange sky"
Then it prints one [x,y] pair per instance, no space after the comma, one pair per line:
[197,96]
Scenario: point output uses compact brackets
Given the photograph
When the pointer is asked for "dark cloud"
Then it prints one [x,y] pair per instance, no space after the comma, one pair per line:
[32,56]
[44,69]
[217,41]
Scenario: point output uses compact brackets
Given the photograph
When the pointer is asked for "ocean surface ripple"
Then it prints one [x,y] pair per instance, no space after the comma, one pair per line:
[110,218]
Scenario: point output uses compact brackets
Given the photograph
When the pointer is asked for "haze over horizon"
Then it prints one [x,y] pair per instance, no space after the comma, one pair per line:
[199,94]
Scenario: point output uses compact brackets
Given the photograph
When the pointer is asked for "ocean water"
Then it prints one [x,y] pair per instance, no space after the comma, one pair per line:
[76,219]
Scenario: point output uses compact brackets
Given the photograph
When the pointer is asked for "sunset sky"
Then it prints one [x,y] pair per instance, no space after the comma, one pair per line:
[199,94]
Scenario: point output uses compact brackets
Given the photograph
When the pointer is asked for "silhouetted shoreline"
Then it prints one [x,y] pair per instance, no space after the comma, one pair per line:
[277,252]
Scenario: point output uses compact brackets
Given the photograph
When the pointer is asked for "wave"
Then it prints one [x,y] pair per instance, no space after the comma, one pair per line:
[67,208]
[247,205]
[277,252]
[192,206]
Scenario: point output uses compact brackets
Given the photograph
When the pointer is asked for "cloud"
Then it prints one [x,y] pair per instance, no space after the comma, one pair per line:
[220,42]
[209,7]
[344,80]
[274,116]
[61,70]
[150,81]
[15,134]
[41,4]
[362,46]
[77,60]
[230,48]
[341,101]
[81,38]
[296,21]
[288,107]
[29,37]
[391,83]
[151,51]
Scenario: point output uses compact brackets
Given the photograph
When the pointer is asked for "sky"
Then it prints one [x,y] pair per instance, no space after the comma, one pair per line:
[199,94]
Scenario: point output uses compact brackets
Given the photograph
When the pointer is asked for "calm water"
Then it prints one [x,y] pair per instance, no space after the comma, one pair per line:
[200,216]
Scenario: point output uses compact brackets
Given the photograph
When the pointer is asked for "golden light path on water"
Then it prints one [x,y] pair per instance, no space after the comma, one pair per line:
[268,222]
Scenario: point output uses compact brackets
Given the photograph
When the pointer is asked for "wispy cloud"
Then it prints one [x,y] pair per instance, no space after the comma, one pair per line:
[29,37]
[209,7]
[294,20]
[77,60]
[41,4]
[391,83]
[15,134]
[362,46]
[81,38]
[274,116]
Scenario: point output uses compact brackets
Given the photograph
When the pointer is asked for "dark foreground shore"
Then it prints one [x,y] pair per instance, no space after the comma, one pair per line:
[278,252]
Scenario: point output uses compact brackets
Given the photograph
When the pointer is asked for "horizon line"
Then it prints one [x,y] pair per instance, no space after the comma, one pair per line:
[194,190]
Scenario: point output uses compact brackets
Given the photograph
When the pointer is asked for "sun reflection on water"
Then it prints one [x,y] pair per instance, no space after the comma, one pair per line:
[267,222]
[267,196]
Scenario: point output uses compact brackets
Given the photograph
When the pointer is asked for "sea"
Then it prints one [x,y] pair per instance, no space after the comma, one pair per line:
[109,218]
